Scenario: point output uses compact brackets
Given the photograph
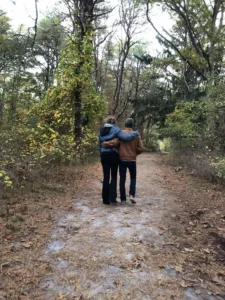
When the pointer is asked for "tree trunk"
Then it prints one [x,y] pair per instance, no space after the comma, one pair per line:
[77,114]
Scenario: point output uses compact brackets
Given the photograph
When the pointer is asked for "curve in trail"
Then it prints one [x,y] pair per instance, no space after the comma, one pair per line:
[113,252]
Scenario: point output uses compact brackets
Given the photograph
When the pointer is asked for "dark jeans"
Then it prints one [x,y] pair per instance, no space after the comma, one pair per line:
[131,166]
[110,164]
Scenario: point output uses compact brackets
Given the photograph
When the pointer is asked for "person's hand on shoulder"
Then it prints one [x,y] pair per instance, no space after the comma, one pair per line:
[137,133]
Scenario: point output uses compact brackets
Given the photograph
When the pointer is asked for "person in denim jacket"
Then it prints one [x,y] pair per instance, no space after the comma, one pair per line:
[110,158]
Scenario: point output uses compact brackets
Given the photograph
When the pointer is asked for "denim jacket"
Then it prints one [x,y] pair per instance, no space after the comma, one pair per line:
[109,132]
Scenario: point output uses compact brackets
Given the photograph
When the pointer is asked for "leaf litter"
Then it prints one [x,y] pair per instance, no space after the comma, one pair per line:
[123,252]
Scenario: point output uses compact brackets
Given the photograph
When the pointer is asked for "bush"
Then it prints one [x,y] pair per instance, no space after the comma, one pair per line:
[220,168]
[198,128]
[151,139]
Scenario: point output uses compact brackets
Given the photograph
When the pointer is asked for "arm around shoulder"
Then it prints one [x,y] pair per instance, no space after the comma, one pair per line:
[111,144]
[127,137]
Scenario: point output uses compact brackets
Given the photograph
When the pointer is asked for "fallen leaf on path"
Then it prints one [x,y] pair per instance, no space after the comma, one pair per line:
[221,229]
[27,245]
[141,258]
[163,228]
[76,227]
[207,251]
[4,265]
[177,169]
[61,297]
[179,268]
[184,284]
[217,280]
[198,292]
[188,250]
[192,223]
[221,273]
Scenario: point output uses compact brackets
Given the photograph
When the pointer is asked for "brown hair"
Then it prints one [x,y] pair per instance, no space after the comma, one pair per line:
[111,120]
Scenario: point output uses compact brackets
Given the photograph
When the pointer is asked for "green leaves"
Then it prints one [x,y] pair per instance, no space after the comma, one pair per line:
[5,179]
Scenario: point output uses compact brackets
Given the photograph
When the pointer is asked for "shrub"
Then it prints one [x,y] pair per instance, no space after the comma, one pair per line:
[197,128]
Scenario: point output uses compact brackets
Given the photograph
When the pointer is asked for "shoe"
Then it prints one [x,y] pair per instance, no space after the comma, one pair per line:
[113,202]
[132,200]
[106,203]
[123,201]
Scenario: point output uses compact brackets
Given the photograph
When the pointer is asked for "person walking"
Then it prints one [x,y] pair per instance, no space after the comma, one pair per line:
[110,157]
[128,151]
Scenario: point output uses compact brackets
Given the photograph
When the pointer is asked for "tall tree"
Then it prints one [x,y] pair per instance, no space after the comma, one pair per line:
[49,41]
[83,15]
[130,22]
[203,22]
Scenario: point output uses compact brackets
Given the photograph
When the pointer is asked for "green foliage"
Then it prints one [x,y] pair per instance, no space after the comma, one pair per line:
[186,124]
[220,168]
[199,127]
[38,132]
[151,140]
[4,28]
[5,179]
[55,114]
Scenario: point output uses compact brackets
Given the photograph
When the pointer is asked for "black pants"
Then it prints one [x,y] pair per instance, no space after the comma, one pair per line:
[110,162]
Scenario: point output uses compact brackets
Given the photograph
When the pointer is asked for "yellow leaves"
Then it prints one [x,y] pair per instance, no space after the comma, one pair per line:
[39,126]
[8,183]
[6,179]
[179,268]
[57,115]
[27,245]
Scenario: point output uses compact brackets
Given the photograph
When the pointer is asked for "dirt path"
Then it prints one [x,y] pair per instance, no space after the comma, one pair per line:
[123,252]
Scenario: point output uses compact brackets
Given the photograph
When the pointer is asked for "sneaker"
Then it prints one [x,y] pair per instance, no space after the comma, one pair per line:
[132,199]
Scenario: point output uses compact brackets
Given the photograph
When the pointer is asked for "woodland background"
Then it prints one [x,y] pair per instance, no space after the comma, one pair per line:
[59,79]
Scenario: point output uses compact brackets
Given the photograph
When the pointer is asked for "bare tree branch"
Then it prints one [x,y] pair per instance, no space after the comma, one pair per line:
[35,24]
[173,46]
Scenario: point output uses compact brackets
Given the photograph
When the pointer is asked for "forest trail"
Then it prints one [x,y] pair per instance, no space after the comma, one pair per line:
[124,251]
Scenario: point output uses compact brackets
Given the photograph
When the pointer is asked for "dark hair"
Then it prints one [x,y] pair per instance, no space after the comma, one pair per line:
[111,120]
[129,123]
